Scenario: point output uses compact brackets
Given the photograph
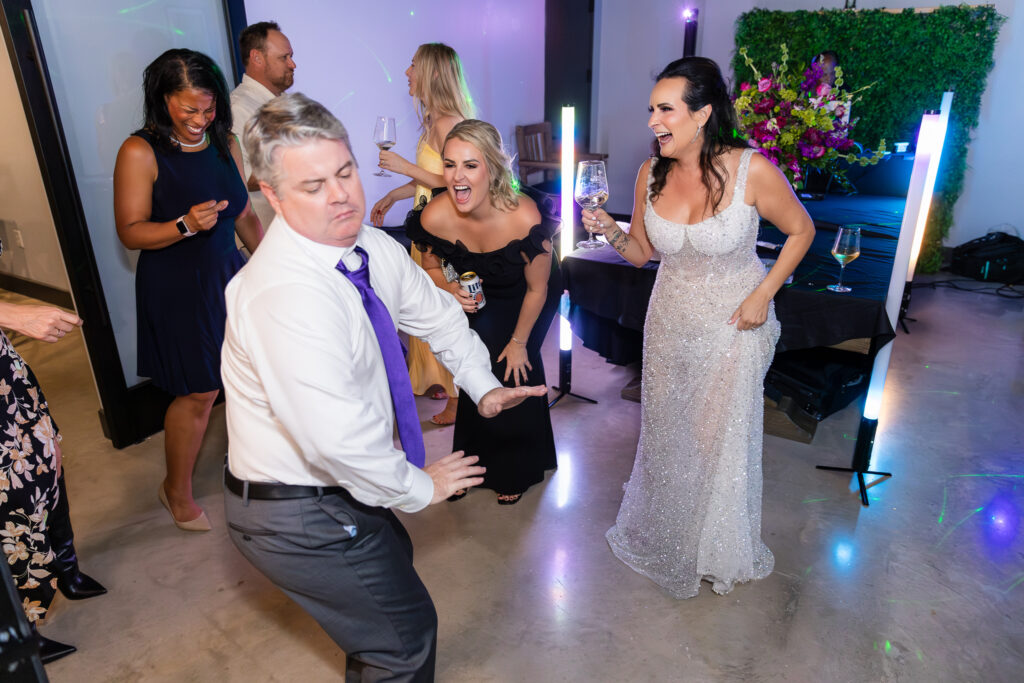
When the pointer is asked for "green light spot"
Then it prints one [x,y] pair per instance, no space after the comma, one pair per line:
[927,366]
[808,570]
[412,13]
[1015,583]
[178,31]
[888,646]
[942,513]
[957,525]
[126,10]
[920,656]
[814,500]
[876,644]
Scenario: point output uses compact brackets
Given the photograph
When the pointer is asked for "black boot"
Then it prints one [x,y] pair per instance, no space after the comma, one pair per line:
[51,650]
[72,583]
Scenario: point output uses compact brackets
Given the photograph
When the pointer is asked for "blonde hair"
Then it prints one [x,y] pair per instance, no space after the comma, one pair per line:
[487,139]
[440,88]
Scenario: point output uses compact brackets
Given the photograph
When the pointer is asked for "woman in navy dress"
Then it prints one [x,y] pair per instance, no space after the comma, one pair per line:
[482,224]
[179,197]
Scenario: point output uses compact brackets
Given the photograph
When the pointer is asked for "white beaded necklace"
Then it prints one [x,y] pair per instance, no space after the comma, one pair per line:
[198,144]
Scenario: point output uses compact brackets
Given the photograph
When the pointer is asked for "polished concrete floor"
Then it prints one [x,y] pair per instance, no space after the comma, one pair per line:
[924,585]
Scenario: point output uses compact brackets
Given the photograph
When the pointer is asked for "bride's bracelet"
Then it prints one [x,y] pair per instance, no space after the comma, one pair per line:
[521,343]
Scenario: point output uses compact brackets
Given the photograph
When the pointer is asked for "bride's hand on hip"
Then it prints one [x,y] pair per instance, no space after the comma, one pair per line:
[752,313]
[597,221]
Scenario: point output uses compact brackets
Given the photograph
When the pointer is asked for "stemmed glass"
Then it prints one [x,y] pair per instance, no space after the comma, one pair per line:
[385,135]
[845,249]
[591,192]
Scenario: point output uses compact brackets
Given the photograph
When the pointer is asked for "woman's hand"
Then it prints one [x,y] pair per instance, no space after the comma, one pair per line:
[516,362]
[465,299]
[391,161]
[204,216]
[597,221]
[380,209]
[45,323]
[752,313]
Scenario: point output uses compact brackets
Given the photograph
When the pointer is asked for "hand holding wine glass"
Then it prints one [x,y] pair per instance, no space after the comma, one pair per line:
[591,192]
[385,135]
[845,249]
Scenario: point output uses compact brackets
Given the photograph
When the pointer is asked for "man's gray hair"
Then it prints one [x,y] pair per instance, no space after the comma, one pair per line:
[289,120]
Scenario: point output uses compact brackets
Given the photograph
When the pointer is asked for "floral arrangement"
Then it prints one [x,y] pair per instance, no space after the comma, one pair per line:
[800,121]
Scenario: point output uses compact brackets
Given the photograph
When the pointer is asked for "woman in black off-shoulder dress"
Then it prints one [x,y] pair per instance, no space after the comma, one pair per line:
[480,224]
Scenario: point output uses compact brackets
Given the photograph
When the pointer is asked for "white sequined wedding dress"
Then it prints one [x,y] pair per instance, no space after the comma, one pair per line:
[692,506]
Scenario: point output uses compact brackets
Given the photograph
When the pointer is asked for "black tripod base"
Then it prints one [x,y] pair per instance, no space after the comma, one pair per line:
[860,479]
[562,393]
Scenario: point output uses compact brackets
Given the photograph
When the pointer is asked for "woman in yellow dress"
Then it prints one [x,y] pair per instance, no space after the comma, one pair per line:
[438,87]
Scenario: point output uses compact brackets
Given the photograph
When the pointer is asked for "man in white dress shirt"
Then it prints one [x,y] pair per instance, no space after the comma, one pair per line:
[269,71]
[312,466]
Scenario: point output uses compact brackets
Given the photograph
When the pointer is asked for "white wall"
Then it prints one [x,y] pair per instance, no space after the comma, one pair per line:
[991,188]
[633,41]
[23,204]
[352,58]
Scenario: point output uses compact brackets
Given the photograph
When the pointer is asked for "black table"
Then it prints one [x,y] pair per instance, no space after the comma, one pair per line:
[609,296]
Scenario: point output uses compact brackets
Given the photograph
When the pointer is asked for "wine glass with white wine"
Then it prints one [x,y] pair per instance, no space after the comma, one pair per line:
[845,249]
[591,192]
[385,135]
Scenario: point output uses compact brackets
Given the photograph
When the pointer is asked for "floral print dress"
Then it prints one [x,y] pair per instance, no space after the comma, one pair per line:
[28,481]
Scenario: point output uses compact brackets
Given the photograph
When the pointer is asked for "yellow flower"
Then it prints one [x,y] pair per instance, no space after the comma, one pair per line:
[15,551]
[34,609]
[788,95]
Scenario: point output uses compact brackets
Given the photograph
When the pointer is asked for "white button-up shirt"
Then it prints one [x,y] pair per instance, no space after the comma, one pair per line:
[308,401]
[249,96]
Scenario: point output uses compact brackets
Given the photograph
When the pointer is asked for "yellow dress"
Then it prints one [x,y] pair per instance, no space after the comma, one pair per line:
[424,369]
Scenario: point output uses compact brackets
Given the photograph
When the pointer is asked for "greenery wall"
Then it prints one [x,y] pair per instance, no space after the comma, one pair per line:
[911,59]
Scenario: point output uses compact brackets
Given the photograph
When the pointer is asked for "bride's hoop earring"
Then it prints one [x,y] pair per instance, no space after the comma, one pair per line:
[697,134]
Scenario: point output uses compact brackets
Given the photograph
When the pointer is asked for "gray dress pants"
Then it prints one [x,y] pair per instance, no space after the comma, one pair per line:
[350,566]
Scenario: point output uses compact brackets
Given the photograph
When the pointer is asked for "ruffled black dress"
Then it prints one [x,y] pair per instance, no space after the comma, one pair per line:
[517,447]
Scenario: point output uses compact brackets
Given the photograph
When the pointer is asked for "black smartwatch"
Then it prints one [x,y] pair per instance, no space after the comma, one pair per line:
[183,228]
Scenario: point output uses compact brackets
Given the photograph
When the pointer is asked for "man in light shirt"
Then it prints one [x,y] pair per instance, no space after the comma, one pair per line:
[312,399]
[269,71]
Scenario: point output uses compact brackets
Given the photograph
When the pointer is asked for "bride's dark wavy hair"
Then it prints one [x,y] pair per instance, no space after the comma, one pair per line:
[704,85]
[176,70]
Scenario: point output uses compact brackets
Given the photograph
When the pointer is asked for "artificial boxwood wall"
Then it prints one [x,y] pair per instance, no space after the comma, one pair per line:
[911,58]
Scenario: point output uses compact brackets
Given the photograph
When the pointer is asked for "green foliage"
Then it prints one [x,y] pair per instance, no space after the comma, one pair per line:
[911,59]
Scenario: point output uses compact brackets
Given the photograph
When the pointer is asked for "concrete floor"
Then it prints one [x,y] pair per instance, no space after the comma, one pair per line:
[925,585]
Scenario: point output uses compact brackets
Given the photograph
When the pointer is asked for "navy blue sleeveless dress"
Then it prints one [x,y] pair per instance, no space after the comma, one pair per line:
[179,289]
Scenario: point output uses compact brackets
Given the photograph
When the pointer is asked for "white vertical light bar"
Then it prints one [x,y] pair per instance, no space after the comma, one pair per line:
[933,142]
[568,226]
[915,214]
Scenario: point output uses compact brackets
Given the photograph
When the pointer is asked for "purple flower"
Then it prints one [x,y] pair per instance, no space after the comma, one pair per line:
[744,86]
[823,89]
[764,106]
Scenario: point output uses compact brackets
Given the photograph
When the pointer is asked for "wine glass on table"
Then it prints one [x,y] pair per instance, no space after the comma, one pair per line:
[591,192]
[385,135]
[845,249]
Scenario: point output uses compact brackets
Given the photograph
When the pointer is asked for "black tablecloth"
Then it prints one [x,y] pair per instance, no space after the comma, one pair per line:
[609,296]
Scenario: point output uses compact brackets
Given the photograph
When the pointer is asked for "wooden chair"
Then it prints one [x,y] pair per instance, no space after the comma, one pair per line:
[537,151]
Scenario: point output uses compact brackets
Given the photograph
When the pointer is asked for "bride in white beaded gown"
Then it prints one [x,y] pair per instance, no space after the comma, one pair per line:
[692,506]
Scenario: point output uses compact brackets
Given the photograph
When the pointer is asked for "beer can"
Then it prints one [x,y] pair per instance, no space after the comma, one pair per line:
[471,283]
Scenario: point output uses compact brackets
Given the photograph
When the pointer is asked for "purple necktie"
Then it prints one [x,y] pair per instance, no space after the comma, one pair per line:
[409,431]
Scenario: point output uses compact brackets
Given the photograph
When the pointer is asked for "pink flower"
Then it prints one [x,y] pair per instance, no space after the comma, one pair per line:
[823,89]
[744,86]
[764,85]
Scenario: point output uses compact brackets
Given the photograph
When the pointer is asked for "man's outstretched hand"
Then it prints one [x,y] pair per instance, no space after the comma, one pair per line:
[497,400]
[453,473]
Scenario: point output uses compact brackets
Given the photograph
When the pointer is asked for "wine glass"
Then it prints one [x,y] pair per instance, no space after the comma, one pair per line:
[591,192]
[845,249]
[385,136]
